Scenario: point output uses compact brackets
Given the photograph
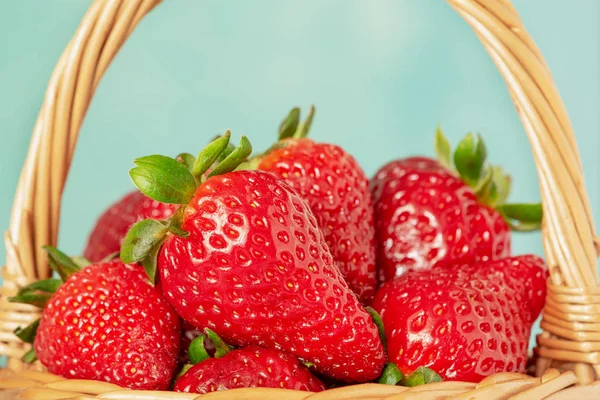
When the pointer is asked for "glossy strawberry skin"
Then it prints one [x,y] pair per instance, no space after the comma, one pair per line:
[112,226]
[466,321]
[251,366]
[426,216]
[337,191]
[256,269]
[107,323]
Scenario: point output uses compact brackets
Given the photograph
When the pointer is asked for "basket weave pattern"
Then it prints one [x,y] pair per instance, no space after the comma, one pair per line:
[571,319]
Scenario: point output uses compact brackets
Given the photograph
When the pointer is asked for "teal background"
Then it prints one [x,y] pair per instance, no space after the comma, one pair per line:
[382,74]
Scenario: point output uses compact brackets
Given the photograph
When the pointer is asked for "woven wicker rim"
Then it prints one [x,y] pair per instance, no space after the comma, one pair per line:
[571,337]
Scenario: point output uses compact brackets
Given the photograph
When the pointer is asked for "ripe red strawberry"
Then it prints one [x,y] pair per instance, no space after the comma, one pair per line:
[465,322]
[112,226]
[250,366]
[249,262]
[337,191]
[427,214]
[106,323]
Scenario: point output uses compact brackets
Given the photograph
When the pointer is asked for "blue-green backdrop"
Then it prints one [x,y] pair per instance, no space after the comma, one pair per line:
[382,73]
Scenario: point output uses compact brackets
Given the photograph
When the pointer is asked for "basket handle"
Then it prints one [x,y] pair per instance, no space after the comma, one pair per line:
[568,231]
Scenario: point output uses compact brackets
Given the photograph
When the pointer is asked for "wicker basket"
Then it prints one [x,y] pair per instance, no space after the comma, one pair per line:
[568,349]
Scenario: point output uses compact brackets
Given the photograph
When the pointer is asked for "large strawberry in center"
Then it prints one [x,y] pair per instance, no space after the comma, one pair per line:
[246,258]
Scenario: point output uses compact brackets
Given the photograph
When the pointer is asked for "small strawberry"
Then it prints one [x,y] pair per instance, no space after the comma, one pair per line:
[112,226]
[251,366]
[466,321]
[245,258]
[427,213]
[105,322]
[337,191]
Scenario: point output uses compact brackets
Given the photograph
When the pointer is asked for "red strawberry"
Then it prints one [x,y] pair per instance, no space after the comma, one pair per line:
[250,366]
[337,191]
[112,226]
[426,214]
[465,322]
[106,323]
[249,262]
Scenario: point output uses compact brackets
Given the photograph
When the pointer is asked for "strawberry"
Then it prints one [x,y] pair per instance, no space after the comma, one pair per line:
[465,322]
[428,213]
[251,366]
[337,191]
[105,322]
[112,226]
[245,258]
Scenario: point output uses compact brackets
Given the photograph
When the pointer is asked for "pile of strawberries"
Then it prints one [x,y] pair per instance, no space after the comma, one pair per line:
[290,269]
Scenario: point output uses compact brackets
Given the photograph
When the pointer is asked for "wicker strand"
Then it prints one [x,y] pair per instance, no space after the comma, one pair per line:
[27,385]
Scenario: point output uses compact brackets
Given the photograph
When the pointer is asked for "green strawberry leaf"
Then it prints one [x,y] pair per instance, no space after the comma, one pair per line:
[421,376]
[308,364]
[197,352]
[290,124]
[60,262]
[175,223]
[221,348]
[37,293]
[141,239]
[27,334]
[233,160]
[442,148]
[150,263]
[379,323]
[30,357]
[391,375]
[304,128]
[485,188]
[81,261]
[501,186]
[186,159]
[522,217]
[163,179]
[469,159]
[524,212]
[209,155]
[111,256]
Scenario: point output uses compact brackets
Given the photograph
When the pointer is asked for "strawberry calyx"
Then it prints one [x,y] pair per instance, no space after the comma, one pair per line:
[421,376]
[39,293]
[217,348]
[490,183]
[175,181]
[203,347]
[391,375]
[292,128]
